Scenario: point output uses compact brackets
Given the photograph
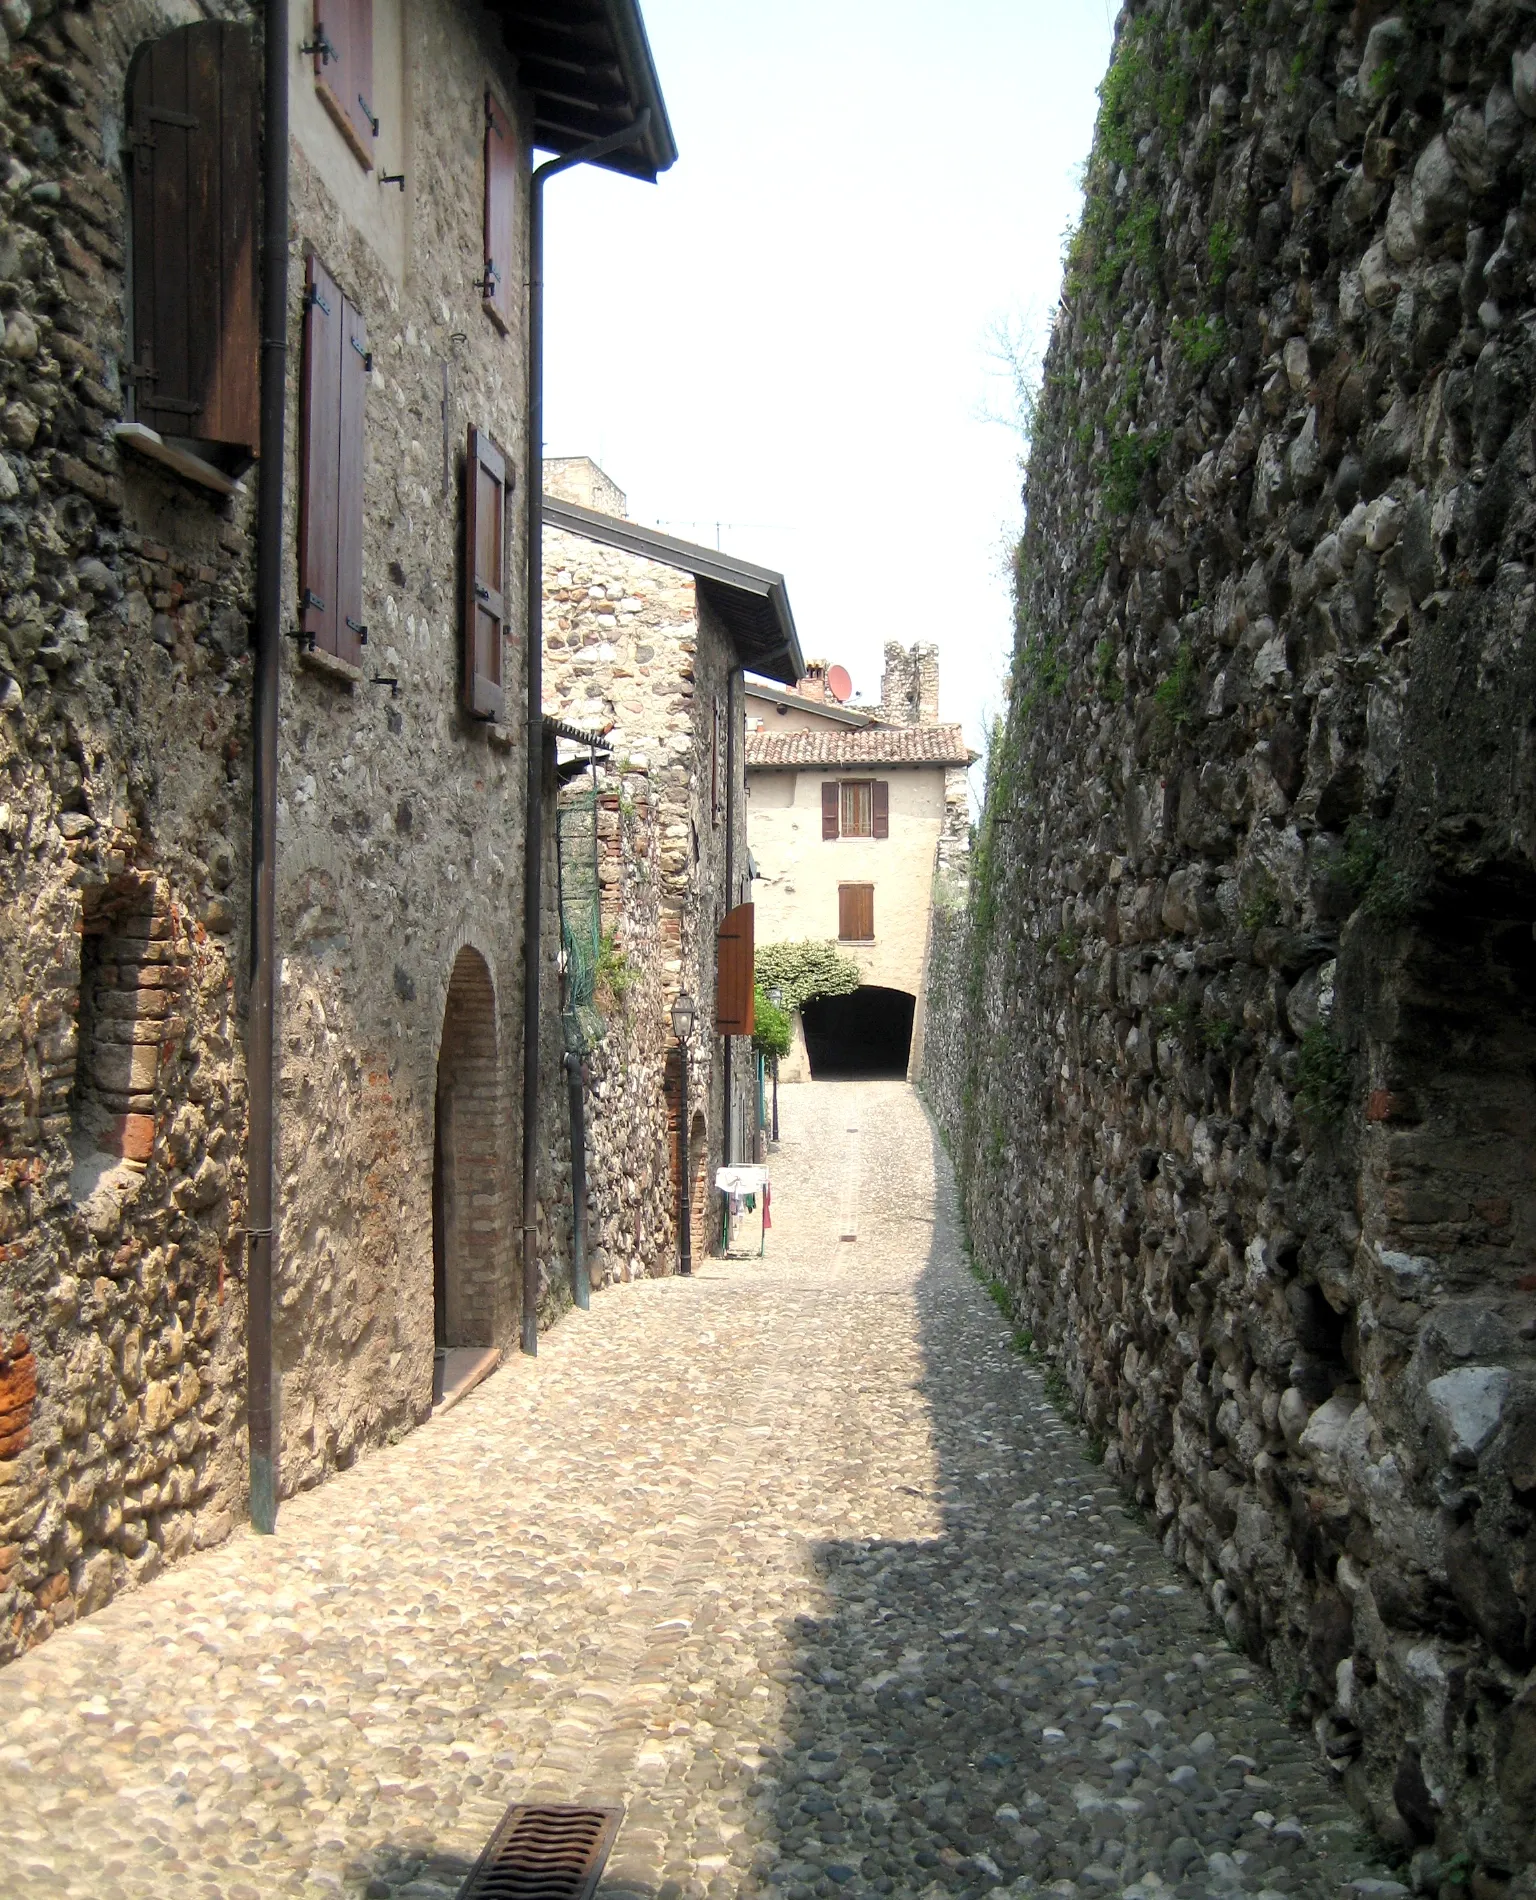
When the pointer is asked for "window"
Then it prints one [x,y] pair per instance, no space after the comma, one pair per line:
[343,50]
[487,482]
[856,913]
[192,140]
[500,210]
[856,808]
[336,365]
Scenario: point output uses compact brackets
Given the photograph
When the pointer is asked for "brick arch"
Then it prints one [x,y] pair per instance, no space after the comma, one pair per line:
[470,1212]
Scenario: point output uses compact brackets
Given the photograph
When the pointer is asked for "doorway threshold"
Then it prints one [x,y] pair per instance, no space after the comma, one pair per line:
[459,1370]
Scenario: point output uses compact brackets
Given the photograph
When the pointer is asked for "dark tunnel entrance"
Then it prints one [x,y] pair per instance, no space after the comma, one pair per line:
[866,1034]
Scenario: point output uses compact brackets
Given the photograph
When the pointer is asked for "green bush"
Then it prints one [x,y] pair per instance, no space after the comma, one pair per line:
[805,970]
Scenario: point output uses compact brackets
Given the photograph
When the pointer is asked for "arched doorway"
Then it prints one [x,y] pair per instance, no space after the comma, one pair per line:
[469,1212]
[865,1034]
[698,1186]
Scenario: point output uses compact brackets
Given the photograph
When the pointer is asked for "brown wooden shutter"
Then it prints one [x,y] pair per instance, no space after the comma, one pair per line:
[351,631]
[856,912]
[192,100]
[344,70]
[320,457]
[734,962]
[486,482]
[500,209]
[829,801]
[882,808]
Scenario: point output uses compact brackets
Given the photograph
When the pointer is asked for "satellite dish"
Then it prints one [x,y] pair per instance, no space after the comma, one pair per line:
[839,685]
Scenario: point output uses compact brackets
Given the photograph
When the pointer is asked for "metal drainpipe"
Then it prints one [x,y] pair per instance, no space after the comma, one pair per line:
[260,1043]
[728,1143]
[533,816]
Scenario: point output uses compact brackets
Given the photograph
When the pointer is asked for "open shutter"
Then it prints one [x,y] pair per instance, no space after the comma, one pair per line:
[496,286]
[486,482]
[320,457]
[734,957]
[192,99]
[829,797]
[882,808]
[351,631]
[343,39]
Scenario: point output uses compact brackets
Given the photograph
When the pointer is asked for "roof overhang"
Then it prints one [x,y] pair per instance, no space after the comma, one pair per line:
[587,67]
[792,701]
[752,602]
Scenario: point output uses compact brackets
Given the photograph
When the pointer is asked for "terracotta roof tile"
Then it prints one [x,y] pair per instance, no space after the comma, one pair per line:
[869,745]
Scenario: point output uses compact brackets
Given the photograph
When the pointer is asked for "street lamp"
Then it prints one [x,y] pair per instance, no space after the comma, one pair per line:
[682,1028]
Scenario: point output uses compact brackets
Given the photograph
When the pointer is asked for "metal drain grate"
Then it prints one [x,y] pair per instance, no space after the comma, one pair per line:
[544,1853]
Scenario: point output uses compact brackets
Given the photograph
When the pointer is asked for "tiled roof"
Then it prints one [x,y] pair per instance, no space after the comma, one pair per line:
[869,745]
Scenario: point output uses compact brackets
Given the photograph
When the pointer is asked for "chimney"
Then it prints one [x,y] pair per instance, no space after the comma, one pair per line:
[814,684]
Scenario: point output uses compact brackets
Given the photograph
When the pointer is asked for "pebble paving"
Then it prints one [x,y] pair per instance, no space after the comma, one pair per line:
[796,1559]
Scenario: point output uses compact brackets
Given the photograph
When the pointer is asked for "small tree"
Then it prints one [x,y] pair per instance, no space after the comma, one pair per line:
[771,1037]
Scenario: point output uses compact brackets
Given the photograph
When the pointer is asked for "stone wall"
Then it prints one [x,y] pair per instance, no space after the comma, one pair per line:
[1237,1044]
[125,597]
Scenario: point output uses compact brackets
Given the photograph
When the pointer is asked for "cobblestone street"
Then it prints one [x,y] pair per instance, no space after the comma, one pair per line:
[796,1559]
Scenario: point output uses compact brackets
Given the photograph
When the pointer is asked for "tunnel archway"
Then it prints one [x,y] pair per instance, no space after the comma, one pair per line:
[864,1035]
[468,1197]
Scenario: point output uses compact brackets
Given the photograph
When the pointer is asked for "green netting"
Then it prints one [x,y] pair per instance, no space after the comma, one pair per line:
[580,912]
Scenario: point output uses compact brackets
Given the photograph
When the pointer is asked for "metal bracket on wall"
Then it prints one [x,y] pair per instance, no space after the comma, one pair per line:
[393,178]
[391,680]
[305,639]
[320,45]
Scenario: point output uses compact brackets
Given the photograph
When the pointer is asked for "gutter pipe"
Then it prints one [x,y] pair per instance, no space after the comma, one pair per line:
[533,831]
[260,1042]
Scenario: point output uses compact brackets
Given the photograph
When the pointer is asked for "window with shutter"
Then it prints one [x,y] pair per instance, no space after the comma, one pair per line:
[735,1014]
[336,365]
[856,913]
[829,809]
[487,482]
[343,48]
[192,135]
[882,808]
[496,285]
[858,808]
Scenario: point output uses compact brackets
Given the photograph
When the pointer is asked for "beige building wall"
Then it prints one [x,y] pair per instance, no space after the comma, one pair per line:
[800,871]
[766,716]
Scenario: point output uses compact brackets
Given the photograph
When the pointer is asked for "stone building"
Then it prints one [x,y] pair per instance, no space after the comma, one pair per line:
[131,144]
[859,822]
[646,639]
[1235,1047]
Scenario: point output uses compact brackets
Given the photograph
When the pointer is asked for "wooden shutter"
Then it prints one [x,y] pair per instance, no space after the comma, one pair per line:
[335,385]
[734,961]
[829,804]
[856,912]
[882,809]
[343,37]
[486,484]
[496,287]
[192,131]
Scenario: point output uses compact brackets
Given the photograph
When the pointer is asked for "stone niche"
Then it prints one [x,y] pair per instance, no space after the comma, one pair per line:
[130,975]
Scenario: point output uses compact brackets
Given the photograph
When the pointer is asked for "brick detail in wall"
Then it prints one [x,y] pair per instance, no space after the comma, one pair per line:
[476,1204]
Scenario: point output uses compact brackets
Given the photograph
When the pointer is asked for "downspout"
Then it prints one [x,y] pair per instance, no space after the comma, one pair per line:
[261,1211]
[533,816]
[728,1141]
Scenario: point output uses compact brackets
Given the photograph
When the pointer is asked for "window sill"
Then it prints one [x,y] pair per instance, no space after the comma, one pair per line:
[146,442]
[319,661]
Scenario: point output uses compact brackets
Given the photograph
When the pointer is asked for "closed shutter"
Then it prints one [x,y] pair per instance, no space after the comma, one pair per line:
[192,130]
[486,482]
[882,808]
[734,957]
[829,801]
[500,206]
[856,912]
[331,468]
[343,39]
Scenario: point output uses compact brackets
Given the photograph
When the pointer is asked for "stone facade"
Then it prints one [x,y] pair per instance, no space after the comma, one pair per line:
[1237,1036]
[633,651]
[125,702]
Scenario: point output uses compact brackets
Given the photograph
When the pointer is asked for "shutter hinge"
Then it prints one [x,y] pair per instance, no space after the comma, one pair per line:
[373,124]
[482,592]
[490,283]
[358,628]
[313,300]
[311,599]
[320,46]
[366,355]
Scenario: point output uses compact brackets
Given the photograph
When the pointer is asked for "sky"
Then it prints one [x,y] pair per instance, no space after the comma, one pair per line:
[784,346]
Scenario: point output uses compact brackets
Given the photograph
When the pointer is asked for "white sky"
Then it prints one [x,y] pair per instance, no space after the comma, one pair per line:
[788,334]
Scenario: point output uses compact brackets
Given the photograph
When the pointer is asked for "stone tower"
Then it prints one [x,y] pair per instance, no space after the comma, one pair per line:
[909,687]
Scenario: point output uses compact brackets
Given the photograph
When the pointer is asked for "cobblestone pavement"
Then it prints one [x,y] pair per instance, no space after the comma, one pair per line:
[795,1558]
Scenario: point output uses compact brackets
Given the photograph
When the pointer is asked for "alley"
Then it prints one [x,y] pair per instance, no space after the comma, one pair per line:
[796,1559]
